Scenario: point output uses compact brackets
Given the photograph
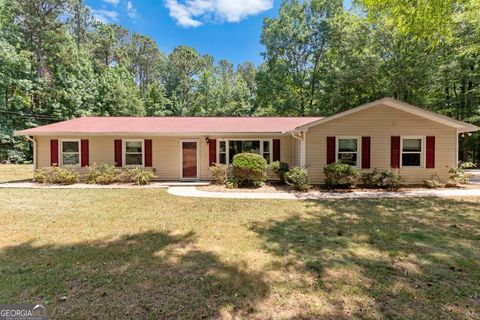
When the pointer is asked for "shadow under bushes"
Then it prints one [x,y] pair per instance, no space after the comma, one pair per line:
[385,258]
[149,275]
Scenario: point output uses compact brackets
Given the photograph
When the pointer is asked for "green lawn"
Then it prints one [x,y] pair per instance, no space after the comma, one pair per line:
[147,254]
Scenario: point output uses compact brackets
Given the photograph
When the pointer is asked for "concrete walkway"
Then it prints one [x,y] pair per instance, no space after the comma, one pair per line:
[316,195]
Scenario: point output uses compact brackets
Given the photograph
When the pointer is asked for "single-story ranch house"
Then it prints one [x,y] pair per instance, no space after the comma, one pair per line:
[382,134]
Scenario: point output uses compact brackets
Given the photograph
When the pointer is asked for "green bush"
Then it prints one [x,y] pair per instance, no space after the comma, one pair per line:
[140,176]
[56,175]
[250,169]
[392,180]
[371,179]
[231,183]
[340,175]
[107,174]
[219,173]
[434,182]
[297,178]
[101,174]
[279,168]
[458,175]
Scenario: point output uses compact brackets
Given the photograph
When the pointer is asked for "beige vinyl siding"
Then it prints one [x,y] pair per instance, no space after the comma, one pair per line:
[166,156]
[380,123]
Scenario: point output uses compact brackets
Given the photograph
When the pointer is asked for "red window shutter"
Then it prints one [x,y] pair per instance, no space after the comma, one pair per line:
[85,156]
[148,152]
[430,152]
[276,150]
[395,152]
[118,153]
[330,150]
[212,151]
[54,153]
[365,152]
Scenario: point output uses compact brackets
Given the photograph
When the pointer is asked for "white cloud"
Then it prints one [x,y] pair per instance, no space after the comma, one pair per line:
[131,11]
[114,2]
[193,13]
[105,16]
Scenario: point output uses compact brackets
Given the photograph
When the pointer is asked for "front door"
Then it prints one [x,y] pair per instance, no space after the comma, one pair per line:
[189,160]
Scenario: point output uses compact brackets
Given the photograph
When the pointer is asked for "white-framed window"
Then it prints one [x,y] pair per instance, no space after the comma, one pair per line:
[412,151]
[133,153]
[348,150]
[70,153]
[228,148]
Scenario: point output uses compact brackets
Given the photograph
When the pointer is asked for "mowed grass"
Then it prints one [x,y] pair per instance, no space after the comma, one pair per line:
[146,254]
[15,172]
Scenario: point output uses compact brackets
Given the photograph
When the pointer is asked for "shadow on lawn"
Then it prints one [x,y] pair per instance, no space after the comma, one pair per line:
[149,275]
[405,258]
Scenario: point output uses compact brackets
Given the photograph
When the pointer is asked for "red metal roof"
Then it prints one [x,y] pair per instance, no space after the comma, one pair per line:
[171,125]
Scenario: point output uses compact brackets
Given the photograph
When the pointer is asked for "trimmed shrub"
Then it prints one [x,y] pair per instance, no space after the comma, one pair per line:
[392,180]
[56,175]
[434,182]
[279,168]
[297,178]
[219,173]
[371,179]
[340,175]
[250,169]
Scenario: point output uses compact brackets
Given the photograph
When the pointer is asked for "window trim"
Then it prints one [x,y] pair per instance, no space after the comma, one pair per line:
[422,152]
[124,153]
[227,153]
[79,153]
[359,148]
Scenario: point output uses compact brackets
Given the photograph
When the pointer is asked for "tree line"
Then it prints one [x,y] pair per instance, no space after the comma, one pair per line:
[57,62]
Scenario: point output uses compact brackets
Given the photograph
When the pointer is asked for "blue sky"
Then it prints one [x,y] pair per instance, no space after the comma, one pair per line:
[225,29]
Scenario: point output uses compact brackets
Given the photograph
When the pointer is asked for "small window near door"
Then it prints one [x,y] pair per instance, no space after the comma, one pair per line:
[133,153]
[412,152]
[70,153]
[222,152]
[347,151]
[266,150]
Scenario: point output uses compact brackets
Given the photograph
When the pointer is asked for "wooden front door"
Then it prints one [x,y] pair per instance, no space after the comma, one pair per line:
[189,160]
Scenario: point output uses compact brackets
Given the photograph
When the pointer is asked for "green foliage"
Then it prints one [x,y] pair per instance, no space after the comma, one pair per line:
[280,168]
[219,173]
[371,179]
[107,174]
[140,176]
[458,175]
[250,169]
[340,175]
[56,175]
[434,182]
[101,174]
[232,183]
[392,180]
[297,178]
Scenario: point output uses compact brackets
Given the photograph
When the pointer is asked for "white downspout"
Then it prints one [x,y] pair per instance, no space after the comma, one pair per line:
[302,139]
[456,148]
[31,138]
